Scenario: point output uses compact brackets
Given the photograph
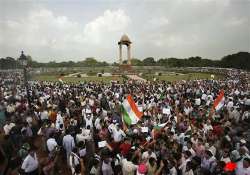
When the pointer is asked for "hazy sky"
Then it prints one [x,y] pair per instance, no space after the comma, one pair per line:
[75,29]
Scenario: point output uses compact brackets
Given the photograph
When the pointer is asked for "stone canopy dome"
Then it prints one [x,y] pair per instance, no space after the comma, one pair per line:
[124,40]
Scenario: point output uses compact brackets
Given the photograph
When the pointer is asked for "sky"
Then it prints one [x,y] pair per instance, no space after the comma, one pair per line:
[63,30]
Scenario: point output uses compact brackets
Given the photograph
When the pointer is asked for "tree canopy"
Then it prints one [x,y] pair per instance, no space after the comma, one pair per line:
[237,60]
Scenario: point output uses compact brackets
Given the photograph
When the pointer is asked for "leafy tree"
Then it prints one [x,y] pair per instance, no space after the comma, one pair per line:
[162,62]
[239,60]
[136,62]
[90,62]
[124,61]
[149,61]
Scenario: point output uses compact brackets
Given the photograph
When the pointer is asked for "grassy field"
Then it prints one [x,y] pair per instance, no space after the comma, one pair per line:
[178,77]
[174,77]
[76,79]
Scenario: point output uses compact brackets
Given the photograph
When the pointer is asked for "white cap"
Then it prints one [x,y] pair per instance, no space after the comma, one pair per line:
[243,141]
[212,149]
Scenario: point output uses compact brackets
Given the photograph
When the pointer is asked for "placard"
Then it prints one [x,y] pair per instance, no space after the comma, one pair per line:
[144,129]
[88,111]
[102,144]
[140,108]
[197,102]
[166,111]
[148,138]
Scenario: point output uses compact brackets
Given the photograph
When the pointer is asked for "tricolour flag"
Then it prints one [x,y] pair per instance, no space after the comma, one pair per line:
[157,130]
[219,101]
[131,113]
[60,79]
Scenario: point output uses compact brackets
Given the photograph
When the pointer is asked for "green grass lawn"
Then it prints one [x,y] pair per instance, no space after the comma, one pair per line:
[76,79]
[189,76]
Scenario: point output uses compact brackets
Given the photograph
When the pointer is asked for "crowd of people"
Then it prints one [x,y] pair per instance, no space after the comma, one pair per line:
[79,128]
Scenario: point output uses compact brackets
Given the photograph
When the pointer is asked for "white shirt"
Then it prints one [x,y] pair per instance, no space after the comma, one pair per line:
[89,121]
[59,121]
[236,115]
[183,165]
[73,161]
[230,104]
[207,127]
[128,167]
[146,156]
[86,134]
[30,163]
[190,172]
[94,171]
[44,115]
[97,124]
[68,142]
[226,159]
[10,108]
[198,101]
[173,171]
[118,134]
[246,115]
[51,144]
[242,171]
[8,127]
[79,138]
[111,127]
[204,96]
[82,152]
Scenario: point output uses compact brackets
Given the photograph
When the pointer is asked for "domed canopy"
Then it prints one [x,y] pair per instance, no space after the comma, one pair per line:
[124,40]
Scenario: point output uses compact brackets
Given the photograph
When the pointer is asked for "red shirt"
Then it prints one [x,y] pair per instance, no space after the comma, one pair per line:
[125,148]
[217,130]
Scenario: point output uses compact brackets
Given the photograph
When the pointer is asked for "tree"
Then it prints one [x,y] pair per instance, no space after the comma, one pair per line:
[162,62]
[115,64]
[149,61]
[173,62]
[194,61]
[136,62]
[9,63]
[124,61]
[239,60]
[90,62]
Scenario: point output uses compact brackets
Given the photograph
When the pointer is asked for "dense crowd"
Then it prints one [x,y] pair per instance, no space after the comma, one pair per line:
[79,128]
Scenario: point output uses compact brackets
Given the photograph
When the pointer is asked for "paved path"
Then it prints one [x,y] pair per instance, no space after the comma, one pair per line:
[136,77]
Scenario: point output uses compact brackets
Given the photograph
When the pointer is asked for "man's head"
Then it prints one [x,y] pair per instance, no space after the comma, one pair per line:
[246,163]
[208,154]
[187,154]
[149,151]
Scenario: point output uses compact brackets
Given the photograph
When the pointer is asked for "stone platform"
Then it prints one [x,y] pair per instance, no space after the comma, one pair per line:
[124,69]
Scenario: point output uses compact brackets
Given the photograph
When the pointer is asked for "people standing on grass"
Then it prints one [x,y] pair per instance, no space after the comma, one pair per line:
[179,134]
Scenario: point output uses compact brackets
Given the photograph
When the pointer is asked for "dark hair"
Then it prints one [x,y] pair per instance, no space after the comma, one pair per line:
[74,150]
[247,159]
[209,153]
[67,132]
[190,165]
[188,153]
[151,161]
[129,156]
[78,168]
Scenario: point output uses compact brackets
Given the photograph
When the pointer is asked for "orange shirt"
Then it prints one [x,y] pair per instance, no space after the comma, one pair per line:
[52,116]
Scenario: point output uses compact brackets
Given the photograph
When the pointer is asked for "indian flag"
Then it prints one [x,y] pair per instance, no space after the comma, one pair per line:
[60,79]
[157,130]
[219,101]
[131,113]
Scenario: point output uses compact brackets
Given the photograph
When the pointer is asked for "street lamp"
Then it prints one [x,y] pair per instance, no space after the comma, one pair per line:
[24,63]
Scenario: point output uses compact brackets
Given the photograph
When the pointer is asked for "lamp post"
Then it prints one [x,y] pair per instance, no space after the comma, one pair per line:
[24,63]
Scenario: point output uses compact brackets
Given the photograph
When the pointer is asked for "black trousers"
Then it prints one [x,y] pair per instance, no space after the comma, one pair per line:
[35,172]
